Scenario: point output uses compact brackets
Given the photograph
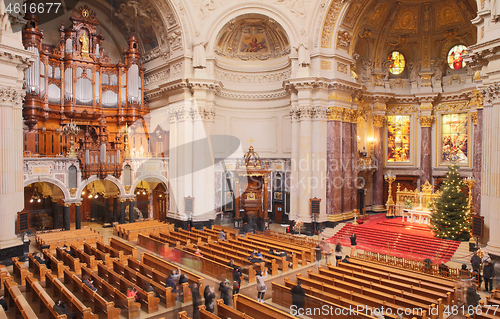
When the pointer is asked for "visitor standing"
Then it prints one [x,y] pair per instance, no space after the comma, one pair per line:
[317,250]
[353,244]
[261,285]
[338,253]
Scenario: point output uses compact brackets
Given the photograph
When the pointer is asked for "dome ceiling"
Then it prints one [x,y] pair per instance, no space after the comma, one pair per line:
[252,37]
[413,27]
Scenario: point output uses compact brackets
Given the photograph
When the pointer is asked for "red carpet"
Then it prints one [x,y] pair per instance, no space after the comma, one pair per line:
[397,238]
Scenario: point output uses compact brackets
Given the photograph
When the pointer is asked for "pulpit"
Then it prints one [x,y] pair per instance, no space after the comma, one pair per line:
[251,192]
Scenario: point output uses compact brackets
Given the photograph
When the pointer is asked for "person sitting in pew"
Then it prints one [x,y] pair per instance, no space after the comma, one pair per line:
[222,235]
[131,292]
[3,303]
[346,259]
[183,279]
[198,253]
[271,252]
[256,257]
[41,260]
[61,308]
[180,293]
[69,251]
[231,263]
[176,274]
[89,282]
[149,288]
[170,282]
[444,269]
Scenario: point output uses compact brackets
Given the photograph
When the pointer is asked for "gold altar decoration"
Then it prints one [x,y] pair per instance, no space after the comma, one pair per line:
[470,182]
[420,200]
[390,202]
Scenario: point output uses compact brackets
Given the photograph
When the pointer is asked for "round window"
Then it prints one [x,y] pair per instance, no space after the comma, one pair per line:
[456,57]
[398,62]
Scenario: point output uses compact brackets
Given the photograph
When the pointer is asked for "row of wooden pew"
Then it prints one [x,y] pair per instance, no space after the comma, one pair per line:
[76,237]
[132,230]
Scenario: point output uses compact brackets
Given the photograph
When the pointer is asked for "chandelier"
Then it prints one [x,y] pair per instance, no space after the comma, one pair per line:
[92,192]
[35,196]
[141,190]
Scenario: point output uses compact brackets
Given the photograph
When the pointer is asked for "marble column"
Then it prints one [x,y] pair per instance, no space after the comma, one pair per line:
[476,172]
[78,216]
[425,149]
[115,209]
[378,176]
[123,202]
[334,161]
[265,213]
[55,215]
[66,217]
[354,159]
[150,205]
[131,212]
[12,65]
[346,165]
[105,218]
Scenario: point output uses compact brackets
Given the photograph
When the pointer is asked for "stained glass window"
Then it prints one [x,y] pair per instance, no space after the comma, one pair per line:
[398,139]
[455,138]
[456,57]
[398,62]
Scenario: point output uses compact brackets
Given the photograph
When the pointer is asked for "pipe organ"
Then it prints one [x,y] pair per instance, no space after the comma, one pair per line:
[74,81]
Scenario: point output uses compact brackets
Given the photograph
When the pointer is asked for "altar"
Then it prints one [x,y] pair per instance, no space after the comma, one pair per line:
[413,206]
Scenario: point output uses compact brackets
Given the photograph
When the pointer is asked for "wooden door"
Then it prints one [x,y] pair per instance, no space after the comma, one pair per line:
[278,213]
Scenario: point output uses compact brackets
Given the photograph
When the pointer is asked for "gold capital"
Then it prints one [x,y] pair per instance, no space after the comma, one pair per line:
[379,120]
[426,121]
[474,118]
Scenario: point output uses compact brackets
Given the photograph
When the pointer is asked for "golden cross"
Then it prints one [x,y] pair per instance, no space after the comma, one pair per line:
[251,141]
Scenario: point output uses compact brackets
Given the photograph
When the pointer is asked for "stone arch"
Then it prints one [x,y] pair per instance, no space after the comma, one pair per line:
[142,177]
[49,180]
[109,178]
[236,11]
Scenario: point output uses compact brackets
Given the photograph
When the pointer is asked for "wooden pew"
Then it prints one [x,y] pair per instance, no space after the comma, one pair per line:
[366,295]
[74,304]
[39,295]
[105,291]
[230,232]
[99,255]
[405,277]
[165,267]
[146,299]
[256,309]
[4,275]
[338,308]
[13,296]
[38,269]
[89,260]
[127,249]
[159,278]
[310,253]
[57,266]
[19,270]
[226,312]
[3,315]
[73,263]
[114,253]
[76,237]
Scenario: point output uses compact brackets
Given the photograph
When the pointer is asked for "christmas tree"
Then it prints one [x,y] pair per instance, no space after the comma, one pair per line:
[450,216]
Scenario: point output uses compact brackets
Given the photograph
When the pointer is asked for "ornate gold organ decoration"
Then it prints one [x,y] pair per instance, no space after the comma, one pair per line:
[85,45]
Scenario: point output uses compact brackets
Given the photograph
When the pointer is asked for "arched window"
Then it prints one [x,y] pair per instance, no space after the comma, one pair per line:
[398,62]
[456,57]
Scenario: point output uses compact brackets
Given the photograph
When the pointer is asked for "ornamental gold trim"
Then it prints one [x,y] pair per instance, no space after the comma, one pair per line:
[426,121]
[379,120]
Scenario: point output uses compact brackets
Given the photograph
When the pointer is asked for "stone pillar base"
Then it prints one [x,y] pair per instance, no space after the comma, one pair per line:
[378,208]
[9,249]
[493,249]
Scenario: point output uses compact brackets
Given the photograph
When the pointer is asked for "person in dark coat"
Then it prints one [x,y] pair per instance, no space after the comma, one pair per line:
[488,274]
[472,296]
[89,283]
[224,292]
[317,250]
[298,296]
[3,303]
[195,293]
[236,280]
[209,296]
[346,259]
[353,244]
[61,308]
[475,262]
[183,279]
[170,282]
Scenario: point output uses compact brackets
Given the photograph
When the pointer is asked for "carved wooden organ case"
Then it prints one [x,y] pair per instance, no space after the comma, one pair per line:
[74,81]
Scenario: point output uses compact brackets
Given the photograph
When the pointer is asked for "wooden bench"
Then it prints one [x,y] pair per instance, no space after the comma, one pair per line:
[366,295]
[224,311]
[76,237]
[165,267]
[73,263]
[337,307]
[106,291]
[3,315]
[89,260]
[99,255]
[39,295]
[146,299]
[19,270]
[309,252]
[57,266]
[256,309]
[228,230]
[4,275]
[114,253]
[13,296]
[38,269]
[127,249]
[132,230]
[74,304]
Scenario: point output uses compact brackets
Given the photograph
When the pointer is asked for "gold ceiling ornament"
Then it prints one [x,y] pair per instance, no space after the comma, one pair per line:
[379,120]
[426,121]
[127,188]
[72,191]
[329,25]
